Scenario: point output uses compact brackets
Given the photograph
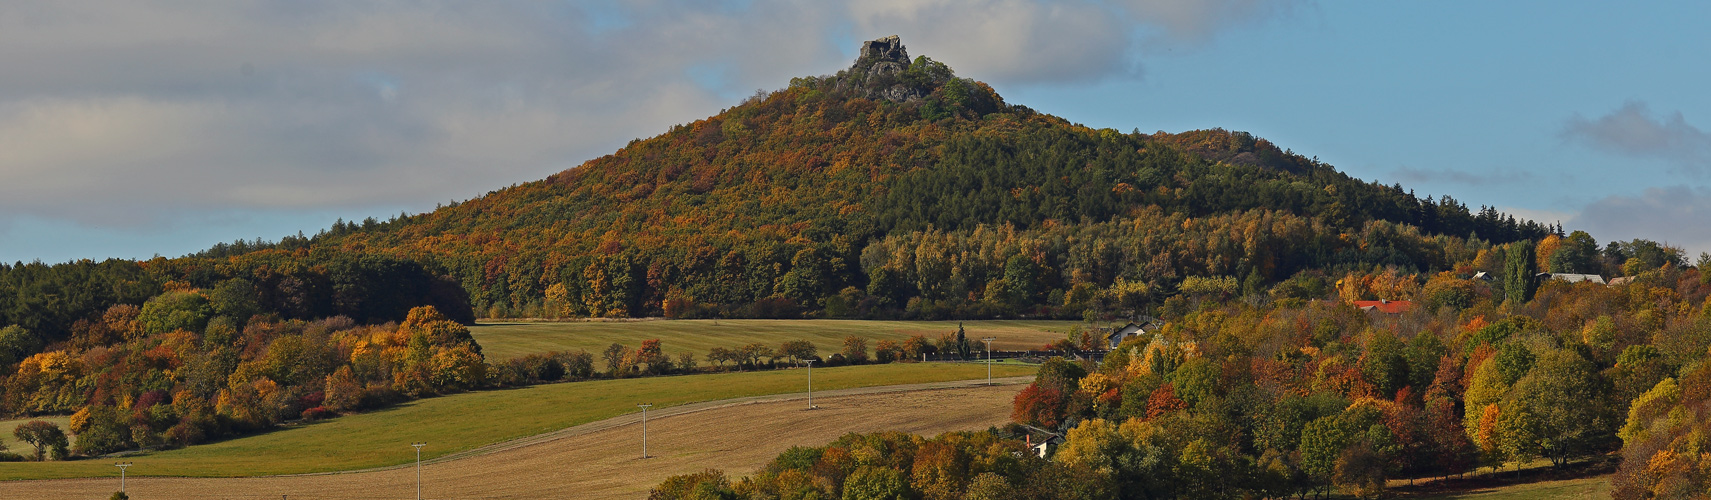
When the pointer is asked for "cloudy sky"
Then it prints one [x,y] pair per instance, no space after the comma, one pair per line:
[131,129]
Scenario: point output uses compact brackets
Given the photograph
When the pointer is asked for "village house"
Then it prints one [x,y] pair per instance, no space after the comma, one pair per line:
[1385,306]
[1144,325]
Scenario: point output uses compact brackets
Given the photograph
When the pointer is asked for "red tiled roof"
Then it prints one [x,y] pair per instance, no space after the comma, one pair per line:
[1385,306]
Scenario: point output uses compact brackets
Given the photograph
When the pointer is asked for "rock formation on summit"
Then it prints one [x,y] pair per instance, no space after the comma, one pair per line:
[885,56]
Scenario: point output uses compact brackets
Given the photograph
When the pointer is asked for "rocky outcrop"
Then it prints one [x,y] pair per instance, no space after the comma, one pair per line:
[885,56]
[878,73]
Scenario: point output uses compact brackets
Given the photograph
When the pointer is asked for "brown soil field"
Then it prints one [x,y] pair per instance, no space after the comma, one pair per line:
[602,460]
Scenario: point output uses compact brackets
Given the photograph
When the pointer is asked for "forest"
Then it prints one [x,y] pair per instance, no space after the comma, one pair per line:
[1274,394]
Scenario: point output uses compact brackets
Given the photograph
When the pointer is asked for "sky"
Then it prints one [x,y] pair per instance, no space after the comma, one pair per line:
[135,129]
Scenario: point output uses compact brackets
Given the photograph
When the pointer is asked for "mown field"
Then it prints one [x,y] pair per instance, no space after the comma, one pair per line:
[465,421]
[512,339]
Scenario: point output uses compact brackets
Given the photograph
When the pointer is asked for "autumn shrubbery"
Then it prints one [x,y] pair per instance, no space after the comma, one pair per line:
[163,384]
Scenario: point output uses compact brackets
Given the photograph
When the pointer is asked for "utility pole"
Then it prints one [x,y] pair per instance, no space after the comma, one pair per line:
[418,447]
[988,341]
[645,428]
[811,385]
[122,466]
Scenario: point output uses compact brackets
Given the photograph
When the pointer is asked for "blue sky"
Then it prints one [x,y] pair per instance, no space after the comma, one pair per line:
[139,129]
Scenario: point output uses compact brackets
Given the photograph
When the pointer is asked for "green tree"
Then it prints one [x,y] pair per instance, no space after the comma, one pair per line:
[236,298]
[1322,443]
[17,343]
[875,483]
[1578,254]
[1567,407]
[1518,271]
[806,282]
[1425,351]
[175,310]
[1023,276]
[1384,363]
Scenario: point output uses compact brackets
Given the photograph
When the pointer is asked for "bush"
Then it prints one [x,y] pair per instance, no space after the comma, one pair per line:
[318,413]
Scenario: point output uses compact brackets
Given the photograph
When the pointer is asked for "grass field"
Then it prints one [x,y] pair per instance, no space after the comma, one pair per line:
[508,340]
[1567,489]
[465,421]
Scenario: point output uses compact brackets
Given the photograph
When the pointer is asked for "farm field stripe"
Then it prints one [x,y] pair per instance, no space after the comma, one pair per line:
[672,411]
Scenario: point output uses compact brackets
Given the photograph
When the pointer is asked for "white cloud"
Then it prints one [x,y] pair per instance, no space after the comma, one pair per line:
[1027,41]
[1674,215]
[1634,131]
[1007,40]
[136,113]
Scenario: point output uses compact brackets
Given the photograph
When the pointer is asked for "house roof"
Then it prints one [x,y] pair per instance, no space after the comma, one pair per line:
[1385,306]
[1575,278]
[1146,323]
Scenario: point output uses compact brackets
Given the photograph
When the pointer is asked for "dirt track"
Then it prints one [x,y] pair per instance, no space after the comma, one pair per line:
[600,460]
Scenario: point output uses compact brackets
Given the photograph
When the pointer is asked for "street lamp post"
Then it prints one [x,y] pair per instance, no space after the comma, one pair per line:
[644,408]
[122,466]
[418,447]
[811,385]
[988,341]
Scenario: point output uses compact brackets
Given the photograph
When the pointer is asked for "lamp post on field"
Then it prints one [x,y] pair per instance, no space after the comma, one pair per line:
[418,447]
[644,408]
[811,385]
[988,341]
[122,466]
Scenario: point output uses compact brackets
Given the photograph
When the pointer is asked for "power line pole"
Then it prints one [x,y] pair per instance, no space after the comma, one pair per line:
[988,341]
[811,385]
[418,447]
[645,428]
[122,466]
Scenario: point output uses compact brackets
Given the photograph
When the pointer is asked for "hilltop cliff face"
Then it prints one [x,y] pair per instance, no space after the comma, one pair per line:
[789,202]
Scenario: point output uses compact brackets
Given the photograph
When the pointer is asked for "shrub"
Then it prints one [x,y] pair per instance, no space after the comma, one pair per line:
[318,413]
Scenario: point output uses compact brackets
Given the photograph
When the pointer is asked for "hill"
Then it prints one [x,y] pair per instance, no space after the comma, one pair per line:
[901,180]
[890,189]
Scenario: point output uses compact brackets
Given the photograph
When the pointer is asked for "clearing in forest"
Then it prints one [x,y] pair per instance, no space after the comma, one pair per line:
[501,341]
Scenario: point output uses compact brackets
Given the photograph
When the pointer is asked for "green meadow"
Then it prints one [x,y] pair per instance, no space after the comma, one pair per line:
[508,340]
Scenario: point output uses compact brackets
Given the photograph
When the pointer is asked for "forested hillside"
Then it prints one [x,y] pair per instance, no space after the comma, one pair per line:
[795,202]
[890,189]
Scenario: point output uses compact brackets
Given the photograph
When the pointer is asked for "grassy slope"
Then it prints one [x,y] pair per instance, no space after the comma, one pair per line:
[508,340]
[466,421]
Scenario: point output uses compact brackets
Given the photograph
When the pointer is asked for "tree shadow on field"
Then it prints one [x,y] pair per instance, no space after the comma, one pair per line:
[1490,482]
